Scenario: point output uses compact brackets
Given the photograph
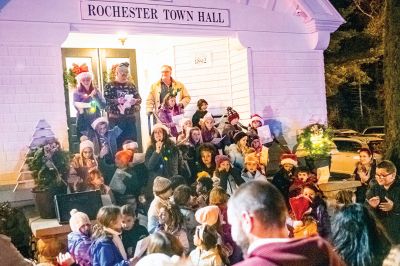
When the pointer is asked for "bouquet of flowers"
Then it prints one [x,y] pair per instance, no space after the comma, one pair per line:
[49,165]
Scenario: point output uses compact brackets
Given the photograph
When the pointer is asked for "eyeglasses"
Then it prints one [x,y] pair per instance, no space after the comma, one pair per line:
[383,176]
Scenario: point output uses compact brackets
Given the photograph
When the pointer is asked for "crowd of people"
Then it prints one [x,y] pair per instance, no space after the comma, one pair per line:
[203,195]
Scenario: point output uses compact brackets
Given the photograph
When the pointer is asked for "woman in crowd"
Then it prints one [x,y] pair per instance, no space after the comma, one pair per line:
[169,109]
[365,173]
[208,130]
[358,237]
[122,103]
[87,101]
[238,150]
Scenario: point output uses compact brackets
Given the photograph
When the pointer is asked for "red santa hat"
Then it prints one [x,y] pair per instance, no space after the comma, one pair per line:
[299,205]
[256,117]
[289,158]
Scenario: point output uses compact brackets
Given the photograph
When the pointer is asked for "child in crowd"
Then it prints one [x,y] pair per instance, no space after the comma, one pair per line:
[256,121]
[250,170]
[232,126]
[96,182]
[261,152]
[169,109]
[193,155]
[183,198]
[204,185]
[79,240]
[303,176]
[206,163]
[170,219]
[80,165]
[138,158]
[304,225]
[225,175]
[238,150]
[208,130]
[319,210]
[283,179]
[200,112]
[207,252]
[185,125]
[132,230]
[104,139]
[165,243]
[162,192]
[107,247]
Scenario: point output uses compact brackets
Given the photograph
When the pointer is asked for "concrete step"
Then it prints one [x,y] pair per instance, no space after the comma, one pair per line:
[20,198]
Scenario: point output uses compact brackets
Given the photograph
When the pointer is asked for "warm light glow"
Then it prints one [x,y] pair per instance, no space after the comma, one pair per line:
[122,37]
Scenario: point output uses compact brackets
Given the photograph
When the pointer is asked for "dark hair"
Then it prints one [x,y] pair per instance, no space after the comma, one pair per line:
[128,210]
[262,199]
[176,221]
[344,197]
[388,165]
[358,237]
[176,181]
[206,182]
[200,103]
[208,147]
[190,140]
[210,237]
[166,243]
[302,169]
[366,150]
[166,99]
[182,195]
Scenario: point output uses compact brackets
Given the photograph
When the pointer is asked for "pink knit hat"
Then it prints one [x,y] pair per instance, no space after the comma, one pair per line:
[219,159]
[78,219]
[207,215]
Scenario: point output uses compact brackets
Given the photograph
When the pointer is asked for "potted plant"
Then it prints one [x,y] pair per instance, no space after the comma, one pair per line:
[315,145]
[50,166]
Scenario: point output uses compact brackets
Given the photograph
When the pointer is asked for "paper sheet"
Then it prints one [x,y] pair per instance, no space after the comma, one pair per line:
[141,247]
[177,119]
[265,134]
[323,174]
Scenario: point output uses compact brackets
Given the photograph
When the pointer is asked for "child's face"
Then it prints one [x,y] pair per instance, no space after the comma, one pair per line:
[309,193]
[199,188]
[128,222]
[117,224]
[251,166]
[171,102]
[209,124]
[187,124]
[87,153]
[255,124]
[256,143]
[158,134]
[206,157]
[234,121]
[102,129]
[203,107]
[288,167]
[303,176]
[163,216]
[98,180]
[225,165]
[86,229]
[195,135]
[243,141]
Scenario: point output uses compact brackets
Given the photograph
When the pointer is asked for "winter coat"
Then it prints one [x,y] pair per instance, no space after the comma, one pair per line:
[282,180]
[114,91]
[165,115]
[201,257]
[236,157]
[247,176]
[313,251]
[153,212]
[319,212]
[361,191]
[79,247]
[230,180]
[230,130]
[153,101]
[197,116]
[390,220]
[111,137]
[105,253]
[78,174]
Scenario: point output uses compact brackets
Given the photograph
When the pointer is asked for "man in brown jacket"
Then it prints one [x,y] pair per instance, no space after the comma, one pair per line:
[164,86]
[257,213]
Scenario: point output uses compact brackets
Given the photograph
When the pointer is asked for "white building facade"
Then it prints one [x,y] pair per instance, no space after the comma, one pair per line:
[258,56]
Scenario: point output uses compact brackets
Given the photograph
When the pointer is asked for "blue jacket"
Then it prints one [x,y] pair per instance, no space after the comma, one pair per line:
[78,246]
[104,253]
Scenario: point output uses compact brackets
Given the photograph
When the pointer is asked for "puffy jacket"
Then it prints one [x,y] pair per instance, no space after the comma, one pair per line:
[79,247]
[104,253]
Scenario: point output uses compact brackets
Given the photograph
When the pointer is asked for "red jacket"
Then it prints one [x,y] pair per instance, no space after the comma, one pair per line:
[313,251]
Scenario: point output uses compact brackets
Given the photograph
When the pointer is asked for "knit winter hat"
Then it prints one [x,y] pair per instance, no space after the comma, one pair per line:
[99,120]
[160,125]
[232,114]
[85,143]
[238,136]
[130,146]
[299,205]
[251,158]
[219,159]
[289,158]
[256,117]
[124,156]
[77,220]
[83,75]
[161,185]
[207,215]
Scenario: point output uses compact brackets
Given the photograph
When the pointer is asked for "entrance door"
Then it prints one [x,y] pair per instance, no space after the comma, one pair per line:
[100,62]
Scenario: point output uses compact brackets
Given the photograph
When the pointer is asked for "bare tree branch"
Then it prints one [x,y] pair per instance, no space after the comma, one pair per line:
[358,5]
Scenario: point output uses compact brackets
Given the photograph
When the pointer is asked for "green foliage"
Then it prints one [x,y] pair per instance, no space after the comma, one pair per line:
[316,141]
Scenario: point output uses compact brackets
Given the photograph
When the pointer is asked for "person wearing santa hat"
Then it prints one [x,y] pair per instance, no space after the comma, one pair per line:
[256,121]
[283,179]
[80,165]
[87,100]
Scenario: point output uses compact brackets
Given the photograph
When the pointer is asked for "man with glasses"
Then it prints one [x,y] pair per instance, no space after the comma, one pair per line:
[384,199]
[166,85]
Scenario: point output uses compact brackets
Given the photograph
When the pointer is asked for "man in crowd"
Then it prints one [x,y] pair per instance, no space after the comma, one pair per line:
[257,213]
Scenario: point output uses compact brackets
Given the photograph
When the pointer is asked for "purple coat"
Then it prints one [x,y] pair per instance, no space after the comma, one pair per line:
[78,246]
[165,115]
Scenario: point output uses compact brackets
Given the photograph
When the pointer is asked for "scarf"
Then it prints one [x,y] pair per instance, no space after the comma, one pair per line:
[117,241]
